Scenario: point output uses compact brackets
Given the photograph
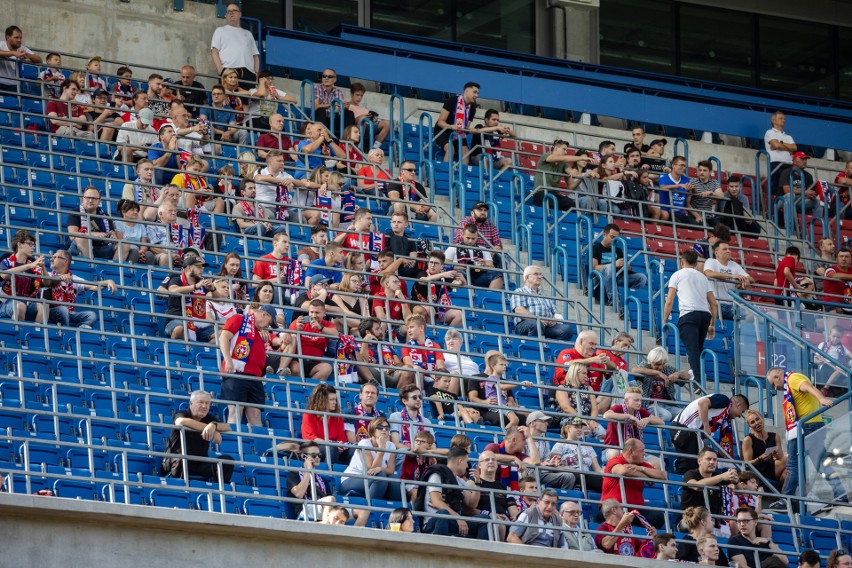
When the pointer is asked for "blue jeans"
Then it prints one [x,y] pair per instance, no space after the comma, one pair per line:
[791,484]
[382,488]
[445,525]
[634,280]
[61,315]
[726,310]
[261,231]
[105,251]
[561,331]
[586,202]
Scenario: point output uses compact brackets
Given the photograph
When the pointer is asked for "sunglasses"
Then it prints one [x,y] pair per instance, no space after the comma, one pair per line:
[383,427]
[416,397]
[312,455]
[408,169]
[329,76]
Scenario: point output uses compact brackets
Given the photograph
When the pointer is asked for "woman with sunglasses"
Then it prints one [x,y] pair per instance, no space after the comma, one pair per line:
[839,559]
[373,457]
[305,484]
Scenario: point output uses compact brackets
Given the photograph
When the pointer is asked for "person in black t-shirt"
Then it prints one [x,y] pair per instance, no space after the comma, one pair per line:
[456,115]
[485,477]
[705,478]
[307,485]
[486,140]
[605,259]
[200,428]
[768,553]
[402,246]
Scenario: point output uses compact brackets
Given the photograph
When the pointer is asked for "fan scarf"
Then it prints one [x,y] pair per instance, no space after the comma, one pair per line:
[194,306]
[241,342]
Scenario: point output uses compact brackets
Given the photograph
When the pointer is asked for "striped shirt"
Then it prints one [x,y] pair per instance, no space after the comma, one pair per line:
[533,301]
[703,203]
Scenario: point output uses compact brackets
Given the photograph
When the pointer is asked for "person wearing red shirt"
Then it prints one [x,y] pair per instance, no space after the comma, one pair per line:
[632,470]
[275,139]
[66,118]
[785,273]
[620,343]
[387,264]
[311,343]
[421,353]
[619,522]
[277,267]
[360,237]
[838,282]
[385,309]
[243,349]
[584,353]
[324,428]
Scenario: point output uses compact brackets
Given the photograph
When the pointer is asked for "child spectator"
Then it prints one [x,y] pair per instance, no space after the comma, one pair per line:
[123,90]
[93,75]
[52,76]
[356,97]
[415,463]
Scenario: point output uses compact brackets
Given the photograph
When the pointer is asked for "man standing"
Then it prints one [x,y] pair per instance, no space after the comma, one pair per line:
[242,344]
[605,260]
[531,308]
[198,429]
[638,136]
[710,414]
[780,146]
[487,233]
[725,275]
[572,516]
[235,48]
[455,117]
[698,308]
[704,484]
[64,290]
[633,472]
[547,524]
[13,50]
[785,274]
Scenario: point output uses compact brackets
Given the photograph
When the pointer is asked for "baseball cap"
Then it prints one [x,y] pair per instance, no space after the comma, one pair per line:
[95,58]
[165,125]
[99,92]
[269,310]
[662,141]
[320,280]
[574,421]
[480,205]
[146,115]
[801,155]
[535,416]
[193,260]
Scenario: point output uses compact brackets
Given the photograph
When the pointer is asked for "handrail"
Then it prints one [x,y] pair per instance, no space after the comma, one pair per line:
[425,147]
[757,195]
[309,104]
[336,109]
[702,367]
[681,141]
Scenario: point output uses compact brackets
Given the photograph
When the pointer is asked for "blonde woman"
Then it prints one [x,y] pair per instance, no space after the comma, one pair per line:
[575,397]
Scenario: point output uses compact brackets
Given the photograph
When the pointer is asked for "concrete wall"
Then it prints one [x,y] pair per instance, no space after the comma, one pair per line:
[138,31]
[44,531]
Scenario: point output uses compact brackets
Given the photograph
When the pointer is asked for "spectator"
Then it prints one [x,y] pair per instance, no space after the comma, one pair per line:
[444,503]
[488,236]
[372,178]
[552,167]
[476,261]
[265,97]
[801,398]
[63,289]
[487,138]
[708,550]
[277,267]
[311,343]
[329,266]
[617,364]
[337,515]
[458,365]
[324,93]
[839,558]
[164,153]
[137,103]
[389,303]
[307,485]
[243,346]
[402,247]
[827,373]
[837,285]
[13,50]
[274,186]
[827,253]
[275,139]
[103,117]
[537,422]
[356,94]
[628,420]
[219,306]
[725,275]
[810,559]
[455,117]
[796,179]
[761,549]
[156,100]
[65,117]
[514,461]
[485,477]
[699,523]
[632,470]
[134,234]
[317,149]
[189,91]
[324,424]
[196,191]
[584,353]
[706,189]
[135,137]
[734,209]
[196,429]
[223,119]
[251,217]
[192,138]
[708,414]
[605,260]
[403,518]
[572,518]
[21,273]
[531,308]
[698,309]
[410,421]
[232,270]
[637,134]
[92,220]
[234,47]
[51,77]
[420,353]
[188,300]
[780,146]
[618,522]
[573,396]
[415,463]
[785,274]
[665,547]
[762,449]
[433,291]
[581,458]
[374,457]
[547,524]
[675,191]
[409,194]
[365,411]
[657,378]
[705,485]
[492,391]
[372,331]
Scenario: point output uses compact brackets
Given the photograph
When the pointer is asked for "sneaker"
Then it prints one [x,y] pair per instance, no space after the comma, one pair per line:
[377,145]
[284,372]
[85,327]
[270,370]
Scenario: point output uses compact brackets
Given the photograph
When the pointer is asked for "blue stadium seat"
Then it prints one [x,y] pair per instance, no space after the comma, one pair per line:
[112,488]
[80,458]
[264,508]
[75,489]
[170,498]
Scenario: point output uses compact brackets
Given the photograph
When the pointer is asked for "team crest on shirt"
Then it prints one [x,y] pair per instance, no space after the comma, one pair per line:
[626,548]
[241,349]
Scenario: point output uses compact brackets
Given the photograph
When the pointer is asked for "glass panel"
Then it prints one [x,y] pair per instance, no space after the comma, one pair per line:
[796,57]
[827,452]
[270,12]
[427,19]
[322,17]
[503,24]
[716,45]
[845,63]
[638,35]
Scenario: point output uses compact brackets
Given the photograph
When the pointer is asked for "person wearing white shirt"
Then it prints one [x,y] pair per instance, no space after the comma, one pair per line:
[698,308]
[780,146]
[12,50]
[235,48]
[373,457]
[725,275]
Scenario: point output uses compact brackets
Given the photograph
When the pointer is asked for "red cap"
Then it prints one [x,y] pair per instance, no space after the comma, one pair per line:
[800,155]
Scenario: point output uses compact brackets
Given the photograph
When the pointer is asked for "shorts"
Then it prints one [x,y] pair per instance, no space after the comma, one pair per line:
[204,334]
[237,389]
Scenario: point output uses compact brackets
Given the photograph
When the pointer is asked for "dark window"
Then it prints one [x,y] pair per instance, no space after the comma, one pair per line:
[502,24]
[844,64]
[322,17]
[432,19]
[797,57]
[716,45]
[638,35]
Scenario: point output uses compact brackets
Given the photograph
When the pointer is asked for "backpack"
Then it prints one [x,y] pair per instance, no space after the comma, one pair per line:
[452,497]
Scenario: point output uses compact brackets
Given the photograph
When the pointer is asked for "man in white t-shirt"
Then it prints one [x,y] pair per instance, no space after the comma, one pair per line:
[232,47]
[12,50]
[697,308]
[780,146]
[134,137]
[725,275]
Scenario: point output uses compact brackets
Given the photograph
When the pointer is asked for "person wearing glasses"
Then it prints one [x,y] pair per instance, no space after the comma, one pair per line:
[234,47]
[763,449]
[763,554]
[91,220]
[324,94]
[406,424]
[305,484]
[572,517]
[374,457]
[17,289]
[531,308]
[64,289]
